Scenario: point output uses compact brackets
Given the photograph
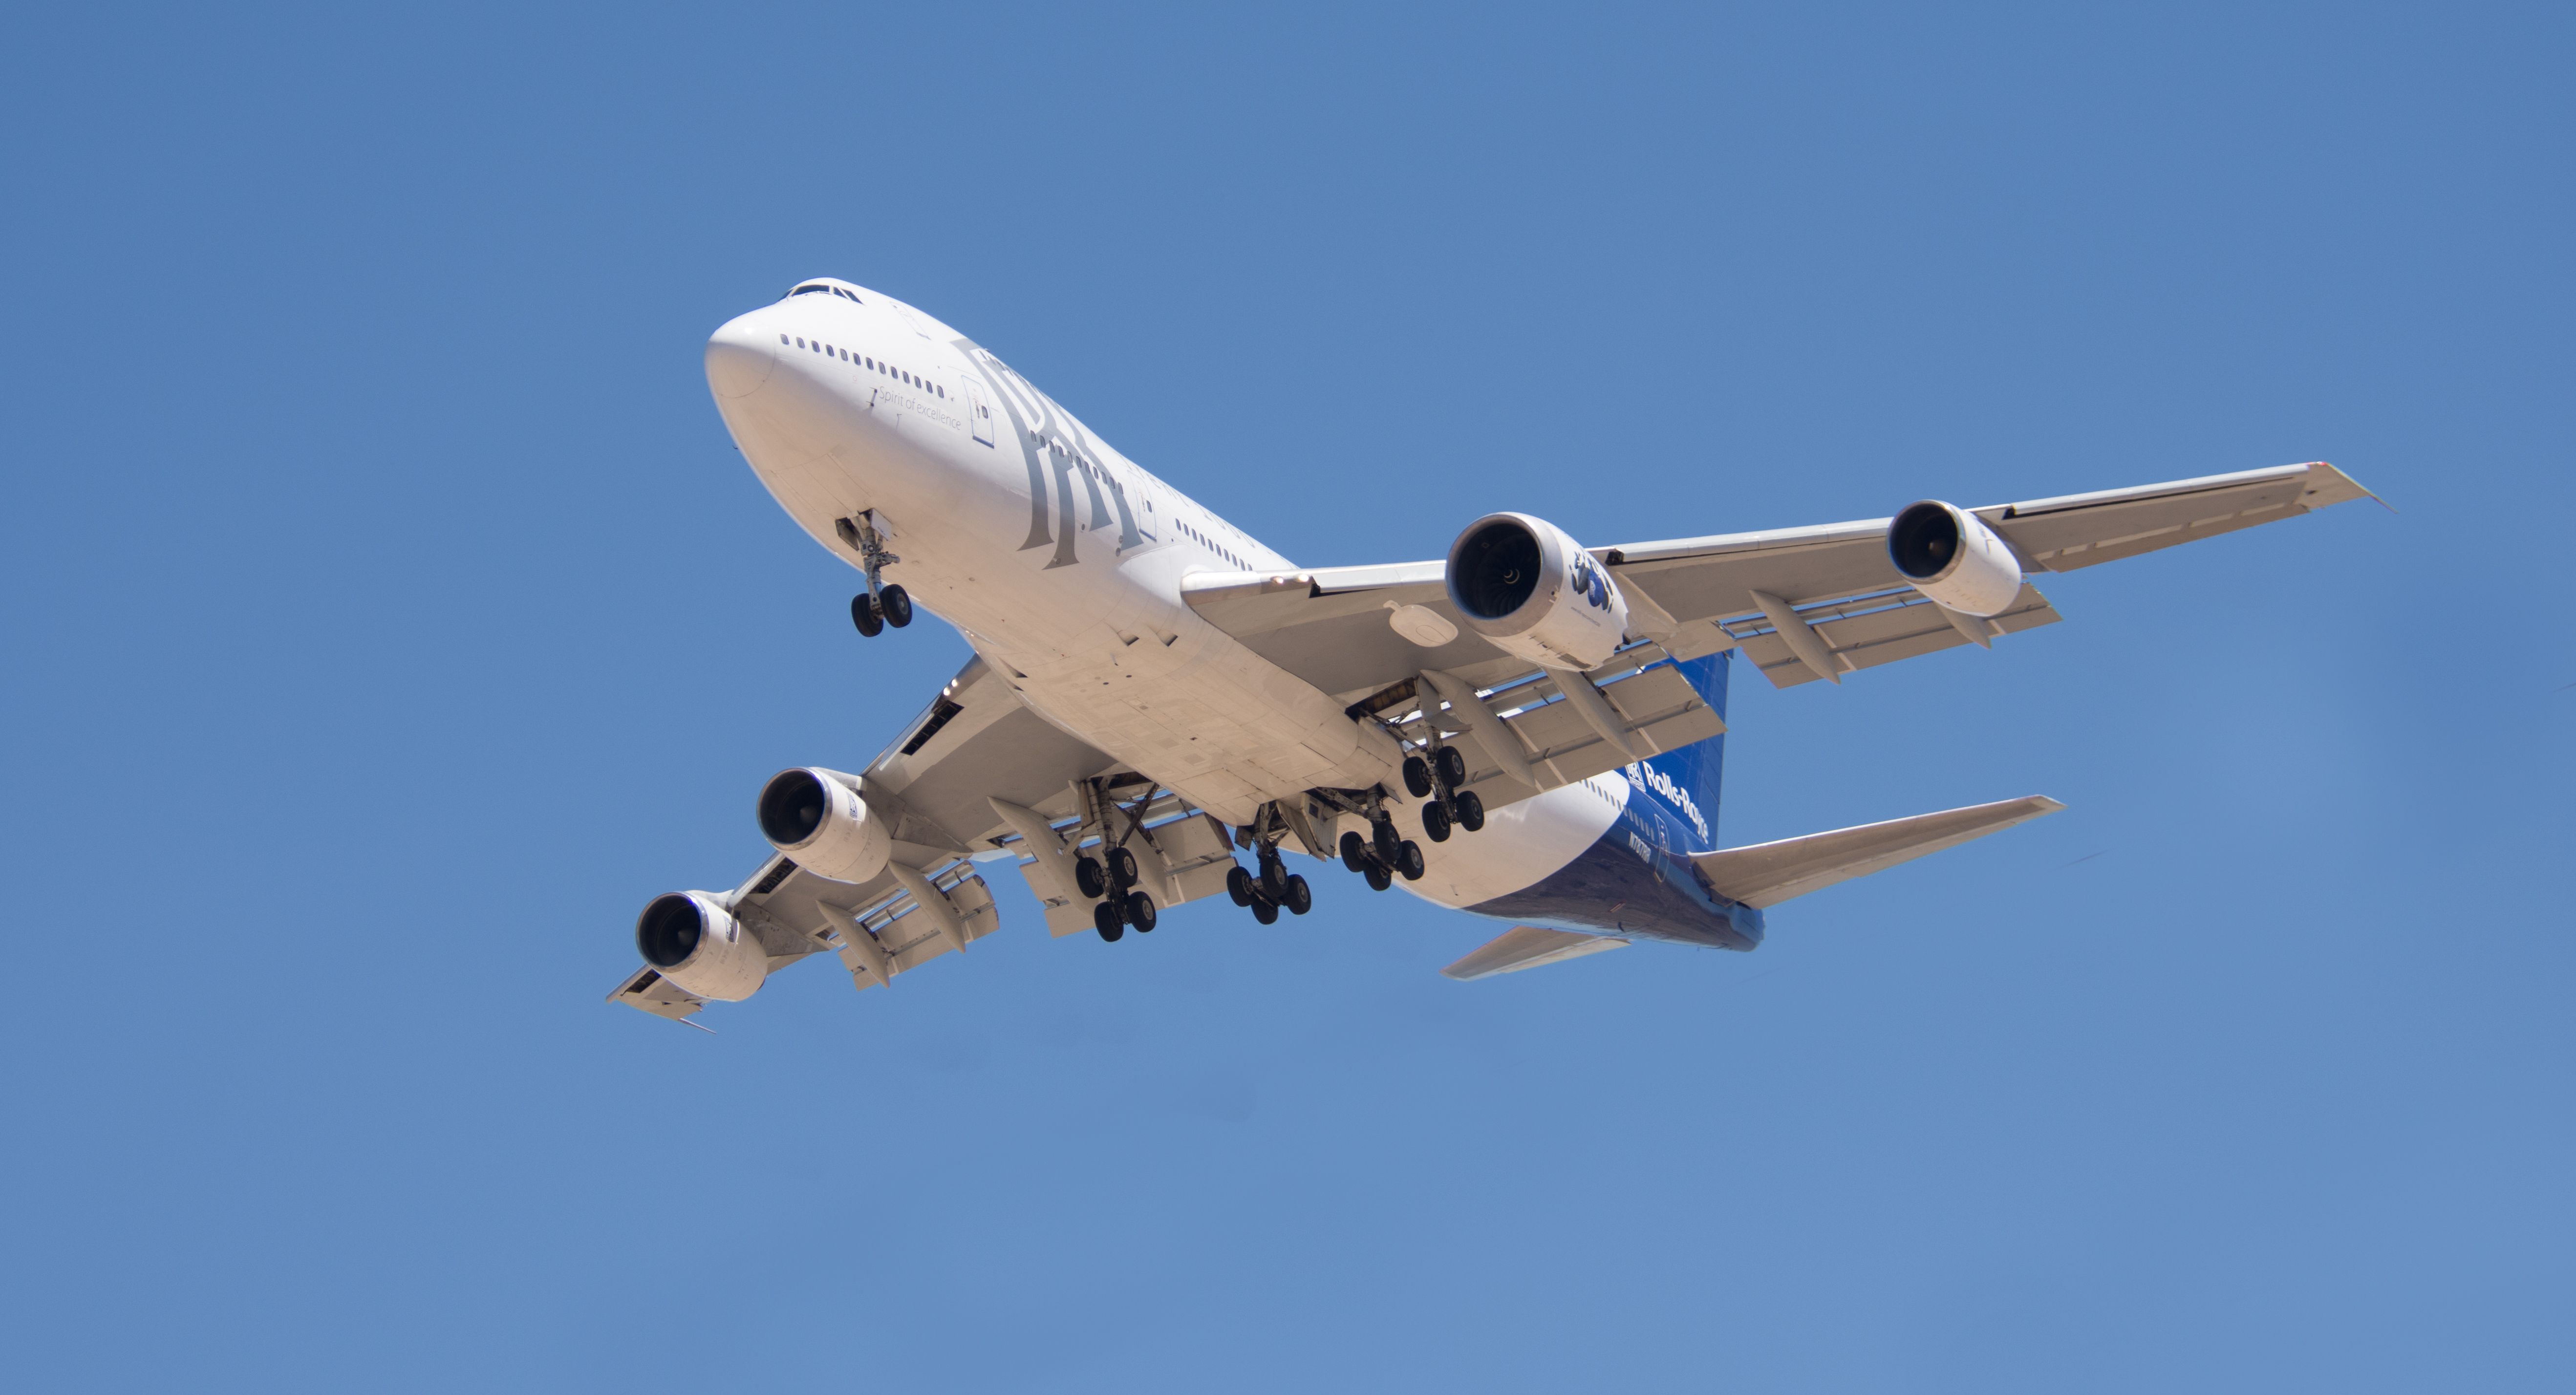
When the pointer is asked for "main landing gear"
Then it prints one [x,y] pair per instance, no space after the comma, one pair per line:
[1113,876]
[1382,855]
[1442,774]
[882,605]
[1274,886]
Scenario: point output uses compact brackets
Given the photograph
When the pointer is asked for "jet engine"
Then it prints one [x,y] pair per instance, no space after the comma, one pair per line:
[1951,556]
[816,817]
[696,944]
[1531,590]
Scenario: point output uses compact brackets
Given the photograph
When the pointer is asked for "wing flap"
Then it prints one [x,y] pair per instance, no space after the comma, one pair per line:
[1658,710]
[1871,630]
[647,990]
[1766,874]
[1527,947]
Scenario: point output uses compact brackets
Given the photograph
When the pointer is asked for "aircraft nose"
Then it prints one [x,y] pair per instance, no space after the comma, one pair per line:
[740,357]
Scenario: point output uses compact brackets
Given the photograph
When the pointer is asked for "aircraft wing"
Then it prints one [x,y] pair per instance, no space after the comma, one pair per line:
[1831,583]
[936,785]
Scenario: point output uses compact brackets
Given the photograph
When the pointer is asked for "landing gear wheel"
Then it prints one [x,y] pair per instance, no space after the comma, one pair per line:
[1471,810]
[898,606]
[1122,864]
[1238,884]
[1408,860]
[1355,853]
[1435,822]
[1300,898]
[1274,877]
[1140,911]
[1417,777]
[1386,839]
[863,613]
[1378,880]
[1453,767]
[1087,877]
[1266,911]
[1105,919]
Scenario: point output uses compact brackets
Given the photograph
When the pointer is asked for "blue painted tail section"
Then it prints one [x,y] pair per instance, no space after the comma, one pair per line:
[1637,879]
[1684,783]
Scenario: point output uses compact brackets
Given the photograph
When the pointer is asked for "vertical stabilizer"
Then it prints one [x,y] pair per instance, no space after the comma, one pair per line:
[1685,781]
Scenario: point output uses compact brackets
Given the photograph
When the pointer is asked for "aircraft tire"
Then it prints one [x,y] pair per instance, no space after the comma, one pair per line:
[1300,898]
[1389,844]
[1105,919]
[1378,880]
[1140,911]
[1123,863]
[1417,777]
[1238,884]
[1471,811]
[1265,910]
[1408,860]
[1435,822]
[1087,877]
[863,613]
[1355,854]
[1453,766]
[898,606]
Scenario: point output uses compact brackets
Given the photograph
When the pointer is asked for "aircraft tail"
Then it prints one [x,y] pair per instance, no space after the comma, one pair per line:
[1685,781]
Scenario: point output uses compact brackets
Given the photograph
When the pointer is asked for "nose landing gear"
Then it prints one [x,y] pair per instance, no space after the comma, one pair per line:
[882,605]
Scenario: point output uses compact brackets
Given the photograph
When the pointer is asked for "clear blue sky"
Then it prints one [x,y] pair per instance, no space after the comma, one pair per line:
[387,619]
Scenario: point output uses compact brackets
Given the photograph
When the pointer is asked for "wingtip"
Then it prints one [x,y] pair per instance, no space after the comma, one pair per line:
[2358,487]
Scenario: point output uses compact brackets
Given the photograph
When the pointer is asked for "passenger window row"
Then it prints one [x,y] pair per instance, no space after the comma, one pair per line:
[1212,545]
[863,361]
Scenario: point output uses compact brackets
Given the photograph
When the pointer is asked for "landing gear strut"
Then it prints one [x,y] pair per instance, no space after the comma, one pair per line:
[1273,885]
[883,605]
[1437,779]
[1382,854]
[1113,877]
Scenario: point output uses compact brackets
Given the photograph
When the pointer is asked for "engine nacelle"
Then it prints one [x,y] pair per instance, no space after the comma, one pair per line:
[1951,556]
[1523,584]
[816,817]
[691,939]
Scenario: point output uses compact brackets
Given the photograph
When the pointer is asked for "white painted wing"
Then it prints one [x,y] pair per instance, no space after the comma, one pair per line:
[934,786]
[1527,947]
[1839,578]
[1766,874]
[1331,626]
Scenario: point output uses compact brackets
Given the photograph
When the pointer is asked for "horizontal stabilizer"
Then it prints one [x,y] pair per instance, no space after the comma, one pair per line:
[1526,948]
[1766,874]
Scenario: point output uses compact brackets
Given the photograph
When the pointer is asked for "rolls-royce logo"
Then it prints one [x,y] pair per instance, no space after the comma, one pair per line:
[1646,777]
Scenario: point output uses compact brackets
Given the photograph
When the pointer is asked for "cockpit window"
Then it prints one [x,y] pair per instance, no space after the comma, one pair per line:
[817,287]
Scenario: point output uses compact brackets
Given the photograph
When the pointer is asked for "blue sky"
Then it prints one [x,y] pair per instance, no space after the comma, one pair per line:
[388,619]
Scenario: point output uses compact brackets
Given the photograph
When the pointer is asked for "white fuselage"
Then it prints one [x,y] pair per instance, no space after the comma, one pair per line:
[1061,561]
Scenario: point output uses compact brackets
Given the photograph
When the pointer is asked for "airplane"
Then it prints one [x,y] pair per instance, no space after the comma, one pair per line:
[1161,708]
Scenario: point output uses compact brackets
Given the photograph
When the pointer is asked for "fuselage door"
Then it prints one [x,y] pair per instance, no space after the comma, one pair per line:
[979,412]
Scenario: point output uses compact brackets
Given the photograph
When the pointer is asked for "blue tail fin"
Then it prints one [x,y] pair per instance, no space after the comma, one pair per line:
[1685,781]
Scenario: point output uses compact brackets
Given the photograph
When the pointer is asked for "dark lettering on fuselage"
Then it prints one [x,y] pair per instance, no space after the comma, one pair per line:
[1047,439]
